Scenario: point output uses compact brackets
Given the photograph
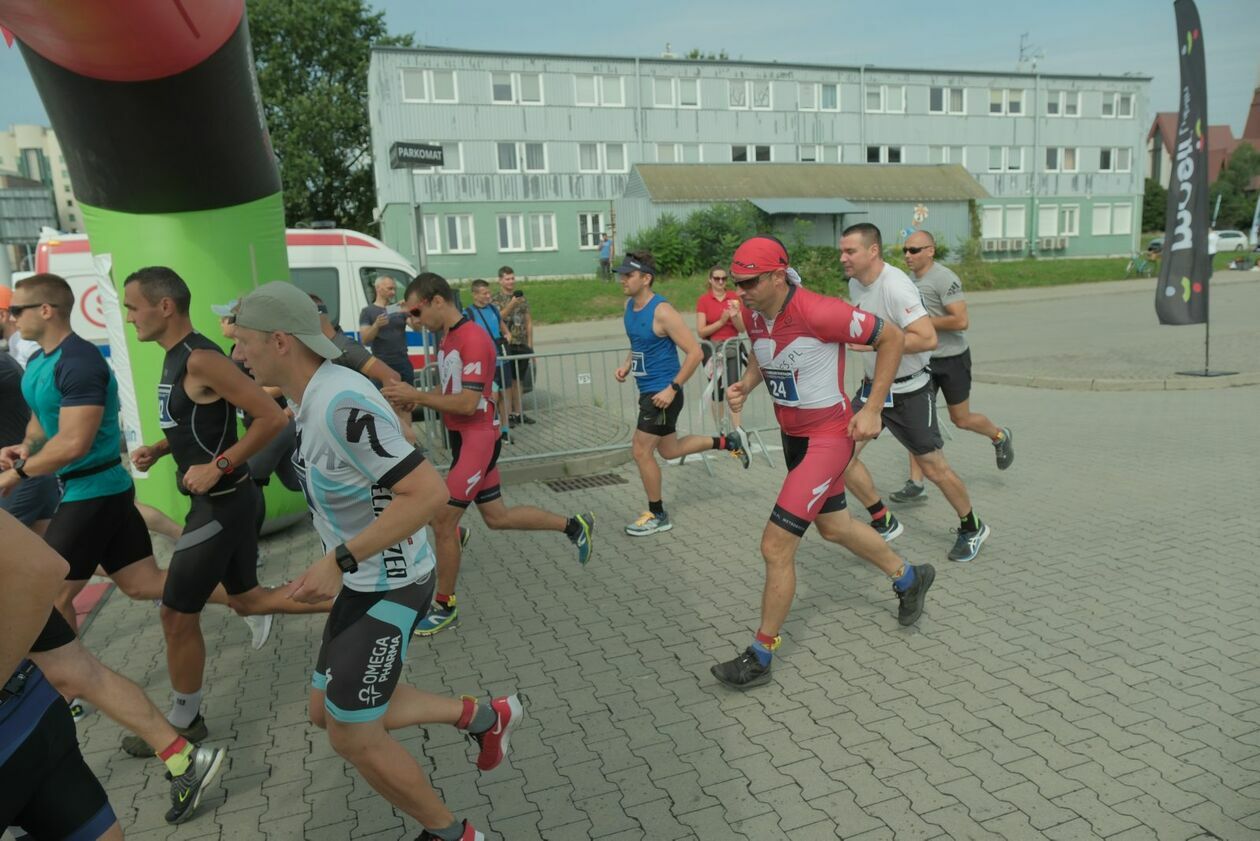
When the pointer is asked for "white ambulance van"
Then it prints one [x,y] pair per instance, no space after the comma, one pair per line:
[339,266]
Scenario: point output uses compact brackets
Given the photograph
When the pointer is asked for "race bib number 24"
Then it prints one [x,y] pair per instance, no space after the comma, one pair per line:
[782,386]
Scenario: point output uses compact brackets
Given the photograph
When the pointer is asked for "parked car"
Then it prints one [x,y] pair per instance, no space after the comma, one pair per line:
[1231,241]
[1155,246]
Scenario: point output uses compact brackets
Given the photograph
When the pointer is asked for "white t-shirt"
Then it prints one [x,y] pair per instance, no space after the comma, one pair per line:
[350,452]
[893,297]
[21,349]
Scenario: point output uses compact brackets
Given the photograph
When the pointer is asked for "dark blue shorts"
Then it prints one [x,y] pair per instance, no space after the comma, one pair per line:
[33,499]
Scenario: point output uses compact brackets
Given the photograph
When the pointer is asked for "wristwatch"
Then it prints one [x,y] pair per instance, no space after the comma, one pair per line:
[676,387]
[224,464]
[345,560]
[17,468]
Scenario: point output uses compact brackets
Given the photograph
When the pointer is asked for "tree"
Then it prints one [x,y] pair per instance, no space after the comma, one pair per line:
[1233,184]
[696,54]
[312,59]
[1154,206]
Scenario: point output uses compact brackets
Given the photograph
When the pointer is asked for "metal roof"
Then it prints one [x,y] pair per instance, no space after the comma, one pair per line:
[819,206]
[855,182]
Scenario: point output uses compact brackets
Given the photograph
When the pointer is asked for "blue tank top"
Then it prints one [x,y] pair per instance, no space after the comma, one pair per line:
[654,359]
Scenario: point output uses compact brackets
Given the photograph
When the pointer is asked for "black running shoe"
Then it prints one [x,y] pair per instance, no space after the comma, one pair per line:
[743,672]
[187,788]
[195,733]
[967,546]
[912,599]
[737,441]
[887,528]
[910,492]
[470,834]
[1005,449]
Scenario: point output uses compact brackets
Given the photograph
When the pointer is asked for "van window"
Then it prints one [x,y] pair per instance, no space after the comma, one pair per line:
[321,282]
[369,274]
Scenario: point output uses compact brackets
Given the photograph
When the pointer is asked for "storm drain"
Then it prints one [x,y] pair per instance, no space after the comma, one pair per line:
[582,483]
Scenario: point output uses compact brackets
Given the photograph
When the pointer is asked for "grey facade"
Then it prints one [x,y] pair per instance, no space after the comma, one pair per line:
[540,146]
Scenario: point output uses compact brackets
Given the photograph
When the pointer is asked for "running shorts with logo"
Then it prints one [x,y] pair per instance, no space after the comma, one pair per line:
[474,473]
[46,787]
[365,644]
[219,546]
[815,481]
[951,375]
[657,421]
[104,530]
[912,420]
[55,633]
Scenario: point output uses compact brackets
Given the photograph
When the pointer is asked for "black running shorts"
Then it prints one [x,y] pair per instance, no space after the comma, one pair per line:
[365,643]
[56,633]
[657,421]
[107,530]
[912,420]
[46,787]
[219,545]
[952,376]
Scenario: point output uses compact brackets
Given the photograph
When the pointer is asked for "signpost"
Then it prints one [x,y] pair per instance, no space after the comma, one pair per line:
[411,156]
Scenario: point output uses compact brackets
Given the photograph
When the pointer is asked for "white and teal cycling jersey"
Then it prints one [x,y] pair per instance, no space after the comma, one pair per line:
[350,452]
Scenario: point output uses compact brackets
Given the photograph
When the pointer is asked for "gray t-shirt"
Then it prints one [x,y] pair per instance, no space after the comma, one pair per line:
[940,286]
[391,342]
[353,355]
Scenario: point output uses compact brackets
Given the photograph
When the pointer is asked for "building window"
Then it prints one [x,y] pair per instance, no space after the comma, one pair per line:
[1006,159]
[829,96]
[615,157]
[1048,220]
[688,93]
[415,87]
[588,157]
[516,88]
[1015,221]
[1122,219]
[443,87]
[1061,159]
[691,153]
[675,93]
[1063,104]
[508,160]
[807,96]
[1114,159]
[612,91]
[947,155]
[452,155]
[946,101]
[532,157]
[748,93]
[542,231]
[590,226]
[809,154]
[990,222]
[535,157]
[886,99]
[606,91]
[585,89]
[816,96]
[511,232]
[432,235]
[1102,220]
[459,234]
[668,153]
[885,154]
[1117,105]
[1069,220]
[1006,101]
[1108,105]
[663,92]
[742,154]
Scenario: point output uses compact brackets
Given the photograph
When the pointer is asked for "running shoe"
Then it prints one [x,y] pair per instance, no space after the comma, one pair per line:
[739,438]
[912,599]
[1005,449]
[911,491]
[527,419]
[649,523]
[259,628]
[437,619]
[80,709]
[583,540]
[187,788]
[967,546]
[743,672]
[494,743]
[195,733]
[465,535]
[887,528]
[470,834]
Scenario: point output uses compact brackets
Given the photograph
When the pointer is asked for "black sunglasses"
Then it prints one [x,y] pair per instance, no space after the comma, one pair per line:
[17,309]
[748,284]
[909,250]
[720,277]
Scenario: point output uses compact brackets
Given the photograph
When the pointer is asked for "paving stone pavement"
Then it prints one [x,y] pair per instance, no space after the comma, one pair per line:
[1093,674]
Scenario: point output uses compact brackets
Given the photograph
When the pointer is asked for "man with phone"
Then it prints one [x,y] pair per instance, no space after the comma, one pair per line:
[518,327]
[383,328]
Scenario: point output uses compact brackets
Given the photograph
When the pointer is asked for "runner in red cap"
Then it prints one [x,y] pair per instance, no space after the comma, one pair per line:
[798,337]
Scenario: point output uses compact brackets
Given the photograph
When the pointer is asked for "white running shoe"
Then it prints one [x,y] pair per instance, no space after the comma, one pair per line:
[259,628]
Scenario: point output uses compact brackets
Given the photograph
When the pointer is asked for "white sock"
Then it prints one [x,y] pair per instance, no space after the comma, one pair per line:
[184,708]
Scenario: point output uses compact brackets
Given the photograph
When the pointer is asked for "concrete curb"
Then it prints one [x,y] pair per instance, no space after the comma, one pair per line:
[1174,383]
[558,467]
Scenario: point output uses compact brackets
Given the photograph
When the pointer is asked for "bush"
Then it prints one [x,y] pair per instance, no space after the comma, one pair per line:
[707,237]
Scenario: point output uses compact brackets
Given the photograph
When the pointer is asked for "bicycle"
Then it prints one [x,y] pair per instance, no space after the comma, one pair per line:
[1139,266]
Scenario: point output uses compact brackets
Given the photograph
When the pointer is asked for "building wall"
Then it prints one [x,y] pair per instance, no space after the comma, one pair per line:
[887,113]
[34,152]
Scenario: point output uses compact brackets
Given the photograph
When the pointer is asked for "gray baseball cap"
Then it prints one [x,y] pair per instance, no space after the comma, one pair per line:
[280,307]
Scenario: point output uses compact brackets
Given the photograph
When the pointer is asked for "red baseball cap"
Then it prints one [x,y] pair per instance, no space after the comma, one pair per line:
[759,255]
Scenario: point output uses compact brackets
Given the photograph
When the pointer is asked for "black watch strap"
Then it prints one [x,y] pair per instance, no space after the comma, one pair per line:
[675,387]
[345,560]
[17,468]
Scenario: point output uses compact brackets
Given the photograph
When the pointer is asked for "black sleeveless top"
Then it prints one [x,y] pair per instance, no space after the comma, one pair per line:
[197,433]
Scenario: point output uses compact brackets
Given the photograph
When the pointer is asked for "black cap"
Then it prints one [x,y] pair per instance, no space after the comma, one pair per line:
[629,264]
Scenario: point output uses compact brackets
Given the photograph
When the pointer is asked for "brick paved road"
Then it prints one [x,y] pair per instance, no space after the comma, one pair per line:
[1093,674]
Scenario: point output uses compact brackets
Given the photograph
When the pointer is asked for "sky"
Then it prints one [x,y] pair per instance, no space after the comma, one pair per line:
[1108,37]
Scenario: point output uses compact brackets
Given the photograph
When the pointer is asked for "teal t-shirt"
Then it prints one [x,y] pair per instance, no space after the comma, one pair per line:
[76,374]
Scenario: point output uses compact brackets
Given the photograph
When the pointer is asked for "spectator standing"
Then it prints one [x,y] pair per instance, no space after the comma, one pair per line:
[605,257]
[518,334]
[719,317]
[383,328]
[486,315]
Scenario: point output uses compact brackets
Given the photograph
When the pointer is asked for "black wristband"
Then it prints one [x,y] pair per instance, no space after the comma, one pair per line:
[17,468]
[675,387]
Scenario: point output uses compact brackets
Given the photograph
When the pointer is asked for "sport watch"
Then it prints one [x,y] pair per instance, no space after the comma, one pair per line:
[17,468]
[345,560]
[224,464]
[676,387]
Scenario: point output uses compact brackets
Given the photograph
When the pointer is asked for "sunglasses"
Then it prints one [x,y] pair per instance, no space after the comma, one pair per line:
[17,309]
[414,312]
[751,283]
[322,309]
[909,250]
[719,278]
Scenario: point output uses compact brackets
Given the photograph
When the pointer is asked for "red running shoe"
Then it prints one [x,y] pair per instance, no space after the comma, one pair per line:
[494,742]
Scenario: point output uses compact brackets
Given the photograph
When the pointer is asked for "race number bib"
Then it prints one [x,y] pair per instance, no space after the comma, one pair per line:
[637,368]
[165,421]
[864,394]
[782,386]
